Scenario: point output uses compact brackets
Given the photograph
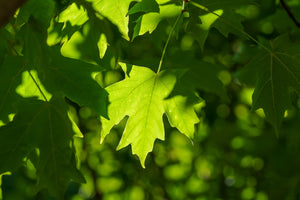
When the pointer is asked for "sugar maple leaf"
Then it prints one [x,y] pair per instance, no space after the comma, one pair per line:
[277,70]
[141,96]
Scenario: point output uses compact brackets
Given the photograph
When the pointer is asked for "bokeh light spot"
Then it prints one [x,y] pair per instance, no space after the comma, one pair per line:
[223,111]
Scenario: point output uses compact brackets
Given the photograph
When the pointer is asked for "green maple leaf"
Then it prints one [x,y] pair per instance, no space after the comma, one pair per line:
[228,13]
[149,21]
[28,87]
[75,14]
[40,10]
[228,22]
[144,6]
[91,41]
[44,126]
[142,97]
[73,79]
[116,11]
[69,77]
[277,70]
[196,75]
[202,76]
[199,26]
[92,35]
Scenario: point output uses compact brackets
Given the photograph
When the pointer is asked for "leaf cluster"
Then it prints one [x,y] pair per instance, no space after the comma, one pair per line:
[168,60]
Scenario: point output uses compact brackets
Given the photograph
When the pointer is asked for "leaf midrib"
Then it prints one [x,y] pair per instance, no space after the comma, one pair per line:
[150,102]
[51,135]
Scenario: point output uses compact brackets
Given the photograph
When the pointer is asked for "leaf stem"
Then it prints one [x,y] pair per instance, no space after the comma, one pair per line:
[167,42]
[23,63]
[230,24]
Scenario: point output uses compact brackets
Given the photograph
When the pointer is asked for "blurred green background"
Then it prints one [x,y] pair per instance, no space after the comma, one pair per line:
[234,155]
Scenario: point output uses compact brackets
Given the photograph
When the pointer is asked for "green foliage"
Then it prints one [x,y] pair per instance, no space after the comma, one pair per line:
[130,73]
[144,6]
[149,22]
[116,11]
[51,152]
[9,68]
[277,71]
[73,79]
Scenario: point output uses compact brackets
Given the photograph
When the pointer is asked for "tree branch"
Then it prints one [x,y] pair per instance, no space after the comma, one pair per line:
[290,13]
[8,9]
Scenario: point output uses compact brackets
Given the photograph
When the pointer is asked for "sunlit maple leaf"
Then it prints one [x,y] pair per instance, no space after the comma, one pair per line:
[142,96]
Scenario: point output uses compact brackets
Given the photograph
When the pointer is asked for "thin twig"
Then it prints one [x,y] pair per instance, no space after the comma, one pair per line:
[166,45]
[286,8]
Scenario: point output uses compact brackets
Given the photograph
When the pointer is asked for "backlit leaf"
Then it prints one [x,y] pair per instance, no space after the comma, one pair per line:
[144,6]
[149,21]
[73,79]
[224,18]
[116,11]
[75,14]
[40,10]
[141,96]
